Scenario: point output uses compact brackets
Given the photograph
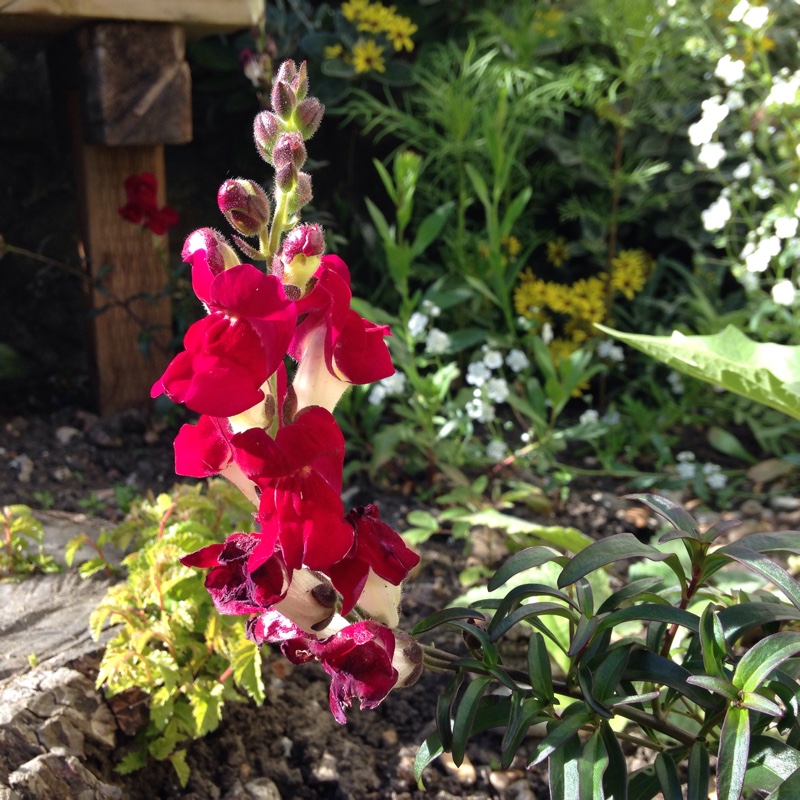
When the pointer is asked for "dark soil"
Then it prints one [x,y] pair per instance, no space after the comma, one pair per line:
[71,460]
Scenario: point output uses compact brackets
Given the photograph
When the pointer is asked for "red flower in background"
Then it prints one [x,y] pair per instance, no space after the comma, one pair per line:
[142,207]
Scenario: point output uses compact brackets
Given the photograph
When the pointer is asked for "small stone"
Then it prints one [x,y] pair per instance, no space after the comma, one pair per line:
[326,771]
[389,737]
[464,773]
[520,790]
[751,508]
[24,464]
[66,433]
[262,789]
[405,764]
[102,437]
[785,503]
[62,474]
[502,779]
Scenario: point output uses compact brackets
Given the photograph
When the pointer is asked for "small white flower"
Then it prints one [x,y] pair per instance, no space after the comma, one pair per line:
[785,227]
[478,409]
[686,470]
[430,308]
[686,456]
[497,390]
[717,214]
[739,10]
[377,394]
[478,373]
[496,450]
[611,417]
[712,154]
[784,293]
[762,188]
[745,140]
[547,333]
[729,70]
[493,358]
[394,384]
[735,100]
[613,352]
[755,17]
[417,323]
[589,416]
[743,171]
[517,360]
[676,382]
[437,342]
[715,480]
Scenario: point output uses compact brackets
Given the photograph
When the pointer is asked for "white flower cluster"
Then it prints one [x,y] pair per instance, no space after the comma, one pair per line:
[613,352]
[785,87]
[393,385]
[437,342]
[687,469]
[491,389]
[754,17]
[714,111]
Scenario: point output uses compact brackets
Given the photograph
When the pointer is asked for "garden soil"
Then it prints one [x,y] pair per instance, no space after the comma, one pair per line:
[291,747]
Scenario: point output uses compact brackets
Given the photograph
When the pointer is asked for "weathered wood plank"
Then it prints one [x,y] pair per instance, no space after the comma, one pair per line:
[136,84]
[198,17]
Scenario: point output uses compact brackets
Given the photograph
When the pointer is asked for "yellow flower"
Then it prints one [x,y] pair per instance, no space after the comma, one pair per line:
[399,31]
[353,9]
[629,271]
[511,244]
[334,51]
[557,252]
[374,18]
[367,56]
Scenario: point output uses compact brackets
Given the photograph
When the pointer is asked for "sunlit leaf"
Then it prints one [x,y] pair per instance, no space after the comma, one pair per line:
[734,744]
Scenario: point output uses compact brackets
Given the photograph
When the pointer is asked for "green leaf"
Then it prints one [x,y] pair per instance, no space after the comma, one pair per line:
[206,706]
[767,373]
[479,184]
[465,716]
[607,675]
[72,547]
[725,442]
[379,221]
[615,779]
[644,665]
[430,228]
[246,663]
[698,773]
[134,760]
[759,563]
[765,656]
[445,616]
[592,765]
[777,542]
[558,736]
[428,752]
[670,510]
[539,667]
[522,717]
[757,702]
[643,784]
[520,562]
[769,764]
[630,592]
[564,772]
[515,208]
[178,761]
[651,612]
[712,643]
[734,744]
[789,789]
[667,773]
[615,548]
[529,610]
[737,620]
[716,685]
[563,538]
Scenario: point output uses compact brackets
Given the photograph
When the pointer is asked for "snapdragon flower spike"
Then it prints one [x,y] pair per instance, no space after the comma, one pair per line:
[245,577]
[334,345]
[358,658]
[231,353]
[299,474]
[378,548]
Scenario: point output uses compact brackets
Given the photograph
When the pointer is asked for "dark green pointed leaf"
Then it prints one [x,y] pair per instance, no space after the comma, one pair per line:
[592,764]
[764,566]
[651,612]
[777,542]
[523,560]
[712,642]
[428,751]
[560,733]
[587,690]
[718,686]
[563,770]
[615,779]
[524,717]
[430,228]
[667,774]
[511,600]
[737,620]
[757,702]
[734,744]
[465,717]
[698,773]
[606,676]
[770,763]
[444,710]
[629,592]
[615,548]
[444,616]
[633,699]
[539,667]
[644,665]
[526,611]
[671,511]
[789,789]
[757,663]
[643,784]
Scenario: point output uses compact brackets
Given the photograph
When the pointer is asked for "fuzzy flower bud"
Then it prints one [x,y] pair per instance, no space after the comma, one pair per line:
[245,205]
[287,72]
[266,129]
[283,100]
[301,254]
[286,177]
[289,149]
[300,82]
[308,116]
[302,193]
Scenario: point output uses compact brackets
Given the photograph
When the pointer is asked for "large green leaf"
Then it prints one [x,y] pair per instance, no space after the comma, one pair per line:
[768,373]
[770,763]
[734,745]
[757,663]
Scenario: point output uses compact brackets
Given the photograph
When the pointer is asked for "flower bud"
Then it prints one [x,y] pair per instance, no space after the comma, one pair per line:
[287,71]
[300,82]
[407,659]
[210,248]
[301,255]
[283,100]
[286,177]
[301,195]
[308,116]
[245,205]
[310,602]
[266,129]
[289,149]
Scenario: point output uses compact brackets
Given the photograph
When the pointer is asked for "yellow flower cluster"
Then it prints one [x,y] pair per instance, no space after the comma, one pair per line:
[576,306]
[367,56]
[510,247]
[376,18]
[547,22]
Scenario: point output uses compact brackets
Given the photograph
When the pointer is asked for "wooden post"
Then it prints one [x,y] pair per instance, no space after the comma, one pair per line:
[134,96]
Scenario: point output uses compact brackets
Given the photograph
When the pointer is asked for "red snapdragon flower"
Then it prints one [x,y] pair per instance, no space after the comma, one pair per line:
[142,207]
[358,658]
[246,574]
[232,352]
